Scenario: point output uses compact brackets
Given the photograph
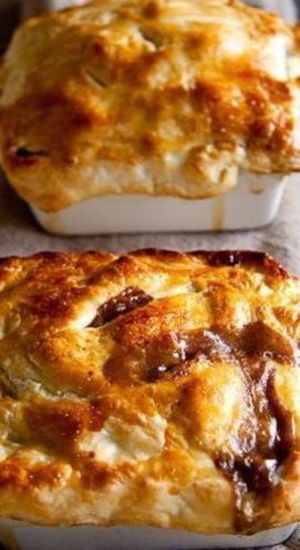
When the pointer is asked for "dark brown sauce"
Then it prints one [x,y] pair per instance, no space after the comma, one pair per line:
[166,357]
[233,257]
[266,437]
[260,339]
[285,436]
[169,355]
[125,302]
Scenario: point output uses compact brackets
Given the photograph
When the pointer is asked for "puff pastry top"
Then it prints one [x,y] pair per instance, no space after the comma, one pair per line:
[163,97]
[154,388]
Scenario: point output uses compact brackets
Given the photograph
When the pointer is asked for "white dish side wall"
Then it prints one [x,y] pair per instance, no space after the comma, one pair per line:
[18,536]
[253,203]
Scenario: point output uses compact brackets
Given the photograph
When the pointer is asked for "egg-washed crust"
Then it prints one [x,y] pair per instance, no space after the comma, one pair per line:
[152,388]
[159,97]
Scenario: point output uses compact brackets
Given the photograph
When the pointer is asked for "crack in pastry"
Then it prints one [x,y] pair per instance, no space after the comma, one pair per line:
[26,153]
[126,301]
[164,98]
[96,79]
[152,388]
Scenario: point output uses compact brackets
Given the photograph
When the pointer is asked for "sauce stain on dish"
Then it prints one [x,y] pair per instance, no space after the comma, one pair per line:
[218,212]
[257,187]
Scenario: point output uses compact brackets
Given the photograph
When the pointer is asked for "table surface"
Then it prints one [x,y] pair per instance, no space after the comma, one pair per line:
[20,235]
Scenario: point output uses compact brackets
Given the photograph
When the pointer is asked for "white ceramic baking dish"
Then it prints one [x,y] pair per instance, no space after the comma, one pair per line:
[253,203]
[19,536]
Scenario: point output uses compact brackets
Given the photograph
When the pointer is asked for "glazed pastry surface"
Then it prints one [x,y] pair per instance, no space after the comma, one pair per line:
[152,388]
[162,97]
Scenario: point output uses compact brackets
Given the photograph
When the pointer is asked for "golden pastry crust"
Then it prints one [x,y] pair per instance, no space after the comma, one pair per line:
[154,388]
[160,97]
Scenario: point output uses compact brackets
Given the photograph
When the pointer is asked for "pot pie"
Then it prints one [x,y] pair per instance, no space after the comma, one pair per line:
[156,97]
[153,388]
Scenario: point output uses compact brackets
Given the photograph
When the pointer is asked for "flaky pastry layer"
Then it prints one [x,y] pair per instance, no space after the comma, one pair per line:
[152,388]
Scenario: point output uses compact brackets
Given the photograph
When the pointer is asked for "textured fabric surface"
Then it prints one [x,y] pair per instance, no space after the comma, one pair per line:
[19,234]
[292,544]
